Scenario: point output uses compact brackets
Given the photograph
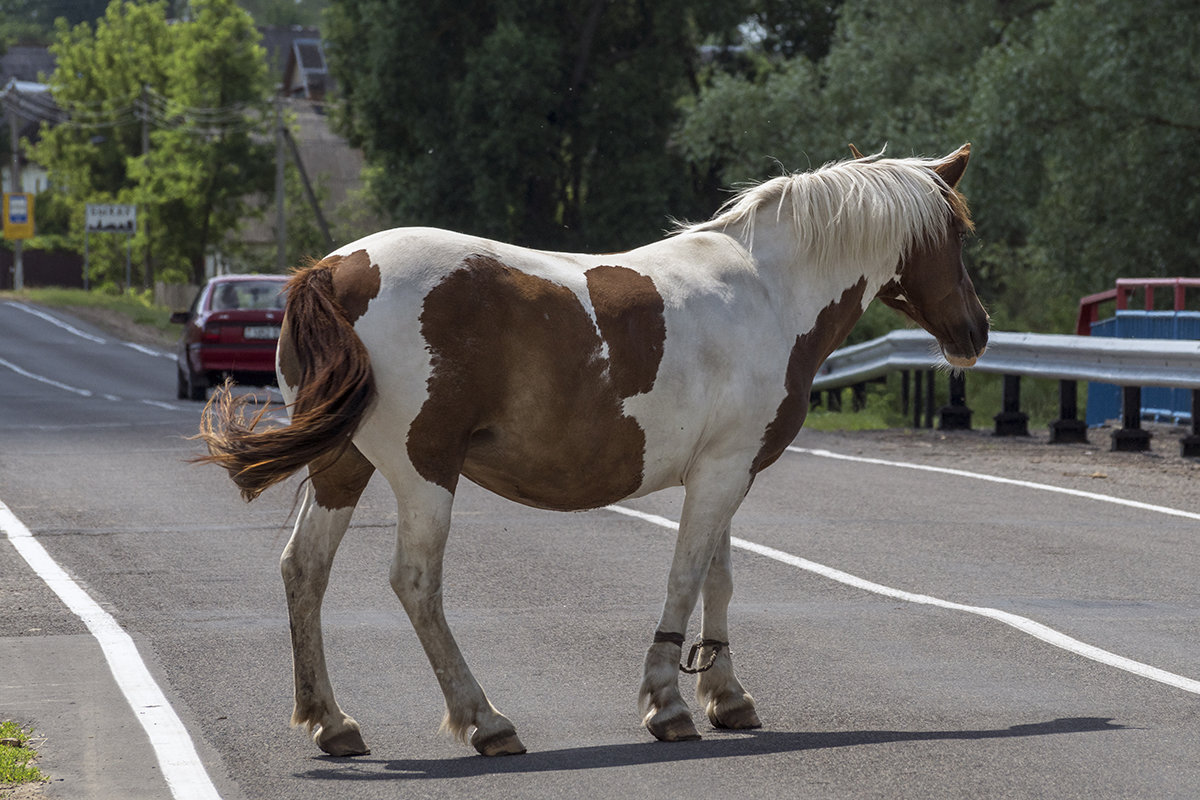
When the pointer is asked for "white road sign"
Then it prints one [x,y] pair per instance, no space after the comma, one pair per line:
[111,218]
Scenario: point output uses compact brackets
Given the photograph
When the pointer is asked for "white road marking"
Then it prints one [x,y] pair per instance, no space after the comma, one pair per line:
[177,757]
[43,379]
[53,320]
[1044,487]
[66,326]
[150,351]
[75,389]
[1023,624]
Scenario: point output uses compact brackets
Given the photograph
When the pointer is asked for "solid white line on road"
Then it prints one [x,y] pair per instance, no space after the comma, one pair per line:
[75,389]
[43,379]
[53,320]
[1044,487]
[150,351]
[177,757]
[1023,624]
[66,326]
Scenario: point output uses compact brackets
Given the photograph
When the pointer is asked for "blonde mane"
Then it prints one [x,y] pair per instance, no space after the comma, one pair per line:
[866,210]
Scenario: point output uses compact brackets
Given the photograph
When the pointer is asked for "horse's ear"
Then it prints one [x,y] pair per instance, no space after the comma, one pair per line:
[854,152]
[952,168]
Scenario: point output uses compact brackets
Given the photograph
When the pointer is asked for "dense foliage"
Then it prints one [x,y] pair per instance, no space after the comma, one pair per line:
[589,124]
[199,90]
[539,121]
[1084,115]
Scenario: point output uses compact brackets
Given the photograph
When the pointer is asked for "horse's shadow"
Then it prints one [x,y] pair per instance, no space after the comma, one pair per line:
[748,743]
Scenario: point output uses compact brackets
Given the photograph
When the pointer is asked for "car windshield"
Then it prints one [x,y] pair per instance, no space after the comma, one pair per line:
[256,295]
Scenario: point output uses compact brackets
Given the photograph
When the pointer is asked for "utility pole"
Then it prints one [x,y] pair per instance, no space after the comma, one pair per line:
[308,189]
[280,188]
[14,134]
[147,278]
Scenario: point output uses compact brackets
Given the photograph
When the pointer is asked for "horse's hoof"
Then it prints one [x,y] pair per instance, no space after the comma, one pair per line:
[347,743]
[502,743]
[678,728]
[735,717]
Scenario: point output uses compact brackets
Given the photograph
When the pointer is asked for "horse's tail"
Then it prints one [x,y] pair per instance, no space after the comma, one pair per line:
[323,357]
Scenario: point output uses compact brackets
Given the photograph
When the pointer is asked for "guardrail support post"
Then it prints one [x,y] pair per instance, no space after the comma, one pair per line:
[858,397]
[929,399]
[956,416]
[1068,428]
[1189,446]
[916,403]
[1131,438]
[1011,421]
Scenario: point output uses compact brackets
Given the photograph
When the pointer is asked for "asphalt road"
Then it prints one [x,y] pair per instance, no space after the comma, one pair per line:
[861,694]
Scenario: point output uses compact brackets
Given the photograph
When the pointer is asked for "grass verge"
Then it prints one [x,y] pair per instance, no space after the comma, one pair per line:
[16,757]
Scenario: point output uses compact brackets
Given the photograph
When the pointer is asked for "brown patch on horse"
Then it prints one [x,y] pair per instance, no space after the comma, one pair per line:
[629,313]
[338,479]
[831,328]
[355,281]
[520,400]
[951,172]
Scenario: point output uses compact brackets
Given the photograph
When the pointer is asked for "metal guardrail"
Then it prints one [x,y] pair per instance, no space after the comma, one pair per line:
[1129,363]
[1125,362]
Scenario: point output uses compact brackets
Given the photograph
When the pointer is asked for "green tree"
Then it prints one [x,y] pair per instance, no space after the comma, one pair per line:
[1088,117]
[1084,116]
[285,12]
[790,28]
[893,75]
[540,121]
[199,89]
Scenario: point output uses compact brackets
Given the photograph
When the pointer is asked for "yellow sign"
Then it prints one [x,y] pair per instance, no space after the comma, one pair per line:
[18,216]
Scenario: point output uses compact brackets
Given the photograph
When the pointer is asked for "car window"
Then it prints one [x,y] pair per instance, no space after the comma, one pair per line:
[256,295]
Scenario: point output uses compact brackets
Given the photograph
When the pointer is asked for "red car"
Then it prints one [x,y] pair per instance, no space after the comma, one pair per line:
[230,331]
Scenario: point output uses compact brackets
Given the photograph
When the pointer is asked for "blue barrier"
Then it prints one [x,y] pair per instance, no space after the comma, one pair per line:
[1174,405]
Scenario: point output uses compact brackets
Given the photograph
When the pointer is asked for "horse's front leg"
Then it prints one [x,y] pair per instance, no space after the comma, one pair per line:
[416,576]
[711,499]
[324,515]
[727,704]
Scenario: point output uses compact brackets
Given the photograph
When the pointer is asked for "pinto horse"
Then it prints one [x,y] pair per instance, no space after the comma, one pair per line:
[568,381]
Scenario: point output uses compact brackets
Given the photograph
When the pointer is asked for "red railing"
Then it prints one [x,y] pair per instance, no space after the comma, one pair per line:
[1089,307]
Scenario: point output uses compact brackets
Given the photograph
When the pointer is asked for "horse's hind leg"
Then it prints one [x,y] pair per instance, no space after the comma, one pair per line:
[728,705]
[424,523]
[329,501]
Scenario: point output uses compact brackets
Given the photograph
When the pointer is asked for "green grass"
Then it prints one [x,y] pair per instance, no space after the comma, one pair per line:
[1039,399]
[869,419]
[15,766]
[138,306]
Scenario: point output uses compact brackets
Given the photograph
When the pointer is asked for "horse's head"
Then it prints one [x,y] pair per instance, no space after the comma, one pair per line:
[931,285]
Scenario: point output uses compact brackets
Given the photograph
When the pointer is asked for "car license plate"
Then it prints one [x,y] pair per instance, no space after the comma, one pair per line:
[261,332]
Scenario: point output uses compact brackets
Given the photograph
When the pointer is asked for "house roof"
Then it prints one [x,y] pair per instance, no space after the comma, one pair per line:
[277,41]
[306,73]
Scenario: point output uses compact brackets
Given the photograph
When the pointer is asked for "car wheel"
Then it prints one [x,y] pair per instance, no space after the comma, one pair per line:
[181,386]
[196,387]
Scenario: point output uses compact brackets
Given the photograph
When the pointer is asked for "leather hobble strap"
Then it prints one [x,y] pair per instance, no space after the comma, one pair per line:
[716,646]
[667,637]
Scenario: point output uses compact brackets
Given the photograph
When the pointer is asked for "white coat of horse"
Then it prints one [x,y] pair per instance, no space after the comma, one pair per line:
[570,381]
